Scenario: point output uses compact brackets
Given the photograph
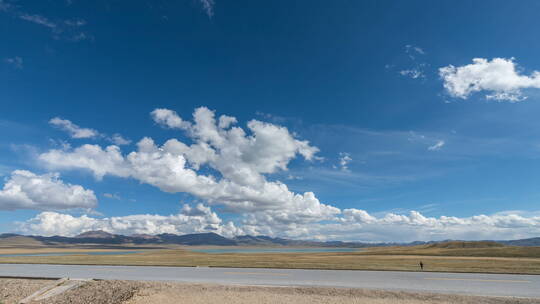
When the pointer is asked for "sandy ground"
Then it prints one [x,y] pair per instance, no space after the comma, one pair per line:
[131,292]
[98,292]
[12,290]
[167,293]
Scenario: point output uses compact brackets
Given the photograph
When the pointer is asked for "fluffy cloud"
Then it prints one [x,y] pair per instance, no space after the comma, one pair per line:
[240,160]
[226,165]
[119,140]
[190,220]
[90,157]
[351,225]
[168,118]
[359,225]
[26,190]
[74,130]
[498,77]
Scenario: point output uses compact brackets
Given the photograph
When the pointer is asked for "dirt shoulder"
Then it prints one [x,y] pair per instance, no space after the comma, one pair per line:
[14,290]
[132,292]
[169,293]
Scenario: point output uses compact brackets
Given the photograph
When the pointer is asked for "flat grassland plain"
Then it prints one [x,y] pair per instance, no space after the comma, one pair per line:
[445,257]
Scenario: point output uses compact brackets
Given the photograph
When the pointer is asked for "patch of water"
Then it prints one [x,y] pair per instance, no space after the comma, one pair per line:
[274,250]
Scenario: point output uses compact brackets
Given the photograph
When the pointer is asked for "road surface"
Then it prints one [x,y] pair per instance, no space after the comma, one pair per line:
[473,284]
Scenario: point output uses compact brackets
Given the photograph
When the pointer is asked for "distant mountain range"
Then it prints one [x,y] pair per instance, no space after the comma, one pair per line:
[105,238]
[522,242]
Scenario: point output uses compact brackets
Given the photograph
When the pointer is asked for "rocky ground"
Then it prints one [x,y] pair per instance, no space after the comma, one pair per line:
[131,292]
[13,290]
[166,293]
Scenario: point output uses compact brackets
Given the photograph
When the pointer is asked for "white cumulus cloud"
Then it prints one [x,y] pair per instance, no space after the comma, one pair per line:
[499,78]
[351,225]
[26,190]
[229,166]
[359,225]
[190,220]
[169,119]
[240,159]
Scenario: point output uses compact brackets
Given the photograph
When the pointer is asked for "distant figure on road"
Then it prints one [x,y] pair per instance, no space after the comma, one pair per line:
[421,266]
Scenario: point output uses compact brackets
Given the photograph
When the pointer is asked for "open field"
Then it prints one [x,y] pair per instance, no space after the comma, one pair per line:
[130,292]
[459,249]
[405,259]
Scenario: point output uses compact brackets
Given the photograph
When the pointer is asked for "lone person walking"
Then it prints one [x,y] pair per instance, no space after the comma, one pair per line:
[421,266]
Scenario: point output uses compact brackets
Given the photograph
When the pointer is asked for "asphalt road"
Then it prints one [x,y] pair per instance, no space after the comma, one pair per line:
[474,284]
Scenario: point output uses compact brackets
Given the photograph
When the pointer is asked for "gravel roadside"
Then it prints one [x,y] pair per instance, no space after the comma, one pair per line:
[173,293]
[14,290]
[133,292]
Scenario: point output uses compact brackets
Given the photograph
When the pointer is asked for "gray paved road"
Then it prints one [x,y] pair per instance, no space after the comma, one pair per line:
[477,284]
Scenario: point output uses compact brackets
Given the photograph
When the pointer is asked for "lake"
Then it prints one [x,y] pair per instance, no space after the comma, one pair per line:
[274,250]
[66,253]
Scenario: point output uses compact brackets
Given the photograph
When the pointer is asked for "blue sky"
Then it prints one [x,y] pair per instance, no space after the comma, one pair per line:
[421,118]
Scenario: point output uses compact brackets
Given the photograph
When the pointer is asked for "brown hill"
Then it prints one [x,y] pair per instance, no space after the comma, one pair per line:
[465,244]
[19,241]
[97,234]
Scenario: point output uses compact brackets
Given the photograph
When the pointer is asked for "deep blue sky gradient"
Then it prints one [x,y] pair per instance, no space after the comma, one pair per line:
[328,70]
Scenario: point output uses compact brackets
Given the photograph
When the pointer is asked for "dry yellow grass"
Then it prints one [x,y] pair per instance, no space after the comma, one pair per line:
[376,259]
[19,242]
[448,249]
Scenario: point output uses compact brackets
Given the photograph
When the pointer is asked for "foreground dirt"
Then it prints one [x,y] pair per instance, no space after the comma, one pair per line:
[99,292]
[13,290]
[131,292]
[168,293]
